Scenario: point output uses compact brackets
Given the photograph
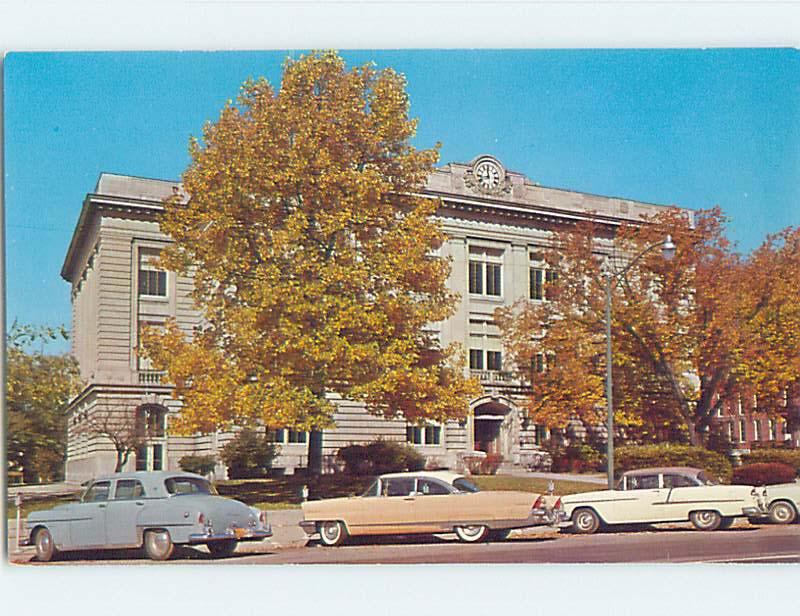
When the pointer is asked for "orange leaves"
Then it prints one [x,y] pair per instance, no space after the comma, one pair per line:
[311,254]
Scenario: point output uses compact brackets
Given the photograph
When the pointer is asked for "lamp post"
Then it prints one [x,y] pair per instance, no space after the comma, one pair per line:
[612,277]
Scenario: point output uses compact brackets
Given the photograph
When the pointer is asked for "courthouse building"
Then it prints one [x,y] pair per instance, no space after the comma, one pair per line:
[498,224]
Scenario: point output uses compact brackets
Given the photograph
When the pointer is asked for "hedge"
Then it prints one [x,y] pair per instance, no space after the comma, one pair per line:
[790,457]
[380,457]
[763,474]
[632,457]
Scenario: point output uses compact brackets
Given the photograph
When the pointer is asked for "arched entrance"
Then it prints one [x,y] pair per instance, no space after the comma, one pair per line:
[493,427]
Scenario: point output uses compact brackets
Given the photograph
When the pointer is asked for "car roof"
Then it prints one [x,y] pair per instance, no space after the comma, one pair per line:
[678,470]
[446,476]
[146,475]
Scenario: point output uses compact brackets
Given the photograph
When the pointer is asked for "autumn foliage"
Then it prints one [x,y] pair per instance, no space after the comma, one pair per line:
[689,334]
[312,258]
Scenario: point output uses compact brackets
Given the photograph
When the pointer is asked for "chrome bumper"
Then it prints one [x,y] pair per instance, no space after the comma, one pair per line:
[230,533]
[753,512]
[548,516]
[309,527]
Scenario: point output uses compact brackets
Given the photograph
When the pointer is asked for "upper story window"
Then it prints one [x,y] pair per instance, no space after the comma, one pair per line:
[485,271]
[151,421]
[476,359]
[757,435]
[773,430]
[488,360]
[152,281]
[742,431]
[540,277]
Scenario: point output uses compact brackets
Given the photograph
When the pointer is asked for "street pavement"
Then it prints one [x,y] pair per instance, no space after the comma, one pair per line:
[673,543]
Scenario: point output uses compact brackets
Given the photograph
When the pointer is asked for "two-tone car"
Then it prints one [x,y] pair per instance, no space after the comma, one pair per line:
[668,494]
[151,510]
[428,502]
[783,502]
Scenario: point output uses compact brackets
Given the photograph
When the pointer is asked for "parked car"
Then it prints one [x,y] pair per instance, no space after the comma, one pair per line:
[154,510]
[670,494]
[783,502]
[427,502]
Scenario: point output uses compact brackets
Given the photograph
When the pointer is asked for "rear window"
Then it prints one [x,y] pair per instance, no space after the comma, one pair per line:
[188,485]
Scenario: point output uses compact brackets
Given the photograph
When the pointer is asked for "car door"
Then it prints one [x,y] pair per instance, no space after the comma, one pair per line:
[393,510]
[122,512]
[88,527]
[435,505]
[639,503]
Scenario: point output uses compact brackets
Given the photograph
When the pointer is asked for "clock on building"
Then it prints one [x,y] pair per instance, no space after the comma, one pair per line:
[488,174]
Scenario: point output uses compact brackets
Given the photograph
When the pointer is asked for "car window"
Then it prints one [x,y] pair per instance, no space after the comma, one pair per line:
[431,486]
[398,486]
[642,482]
[97,492]
[188,485]
[372,490]
[128,489]
[465,485]
[705,480]
[679,481]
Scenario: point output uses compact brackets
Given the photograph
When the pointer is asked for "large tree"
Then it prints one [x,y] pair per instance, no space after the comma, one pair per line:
[313,258]
[689,334]
[38,388]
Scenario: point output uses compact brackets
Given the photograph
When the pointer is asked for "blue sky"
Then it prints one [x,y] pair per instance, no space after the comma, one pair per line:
[692,128]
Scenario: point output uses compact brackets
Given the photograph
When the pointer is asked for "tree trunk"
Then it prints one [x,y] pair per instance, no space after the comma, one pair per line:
[122,459]
[315,452]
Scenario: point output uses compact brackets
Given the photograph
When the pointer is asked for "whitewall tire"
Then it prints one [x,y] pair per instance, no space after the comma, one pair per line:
[472,534]
[706,520]
[332,533]
[585,521]
[158,545]
[782,512]
[45,546]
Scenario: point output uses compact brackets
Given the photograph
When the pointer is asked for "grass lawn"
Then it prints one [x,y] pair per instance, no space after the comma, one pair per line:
[29,506]
[532,484]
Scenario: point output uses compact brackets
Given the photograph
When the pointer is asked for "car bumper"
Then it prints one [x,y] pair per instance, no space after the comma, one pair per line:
[309,527]
[754,512]
[231,533]
[551,517]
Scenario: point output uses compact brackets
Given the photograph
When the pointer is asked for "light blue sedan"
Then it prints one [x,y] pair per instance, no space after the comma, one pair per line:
[154,510]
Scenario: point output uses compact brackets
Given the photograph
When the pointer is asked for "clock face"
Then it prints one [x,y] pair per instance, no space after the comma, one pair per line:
[487,174]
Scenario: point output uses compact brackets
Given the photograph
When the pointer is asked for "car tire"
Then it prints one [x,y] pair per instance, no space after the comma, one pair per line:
[158,545]
[499,535]
[45,546]
[726,522]
[222,549]
[472,534]
[332,533]
[782,512]
[585,521]
[705,519]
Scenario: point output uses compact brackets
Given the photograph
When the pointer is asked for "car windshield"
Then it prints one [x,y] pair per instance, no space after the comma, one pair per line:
[465,485]
[188,485]
[372,490]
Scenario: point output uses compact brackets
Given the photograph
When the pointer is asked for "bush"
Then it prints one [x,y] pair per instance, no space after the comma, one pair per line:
[631,457]
[763,474]
[486,465]
[575,458]
[380,457]
[202,465]
[249,455]
[790,457]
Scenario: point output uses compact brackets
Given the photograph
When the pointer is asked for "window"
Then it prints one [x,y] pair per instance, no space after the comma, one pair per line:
[372,490]
[643,482]
[128,489]
[288,435]
[151,421]
[739,406]
[540,277]
[678,481]
[742,431]
[494,360]
[188,485]
[537,363]
[757,435]
[476,359]
[398,486]
[729,431]
[773,430]
[424,435]
[432,487]
[551,277]
[485,271]
[536,283]
[152,281]
[97,493]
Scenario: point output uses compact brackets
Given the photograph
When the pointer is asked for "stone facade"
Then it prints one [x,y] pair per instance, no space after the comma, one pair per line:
[497,222]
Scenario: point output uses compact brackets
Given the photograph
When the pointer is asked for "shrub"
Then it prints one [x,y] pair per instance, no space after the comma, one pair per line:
[763,474]
[575,458]
[487,465]
[380,457]
[202,465]
[631,457]
[790,457]
[249,455]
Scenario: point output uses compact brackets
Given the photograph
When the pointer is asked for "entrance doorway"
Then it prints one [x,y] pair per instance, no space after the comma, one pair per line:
[492,431]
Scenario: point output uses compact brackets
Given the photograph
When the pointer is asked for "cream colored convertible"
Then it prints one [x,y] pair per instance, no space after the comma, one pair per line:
[428,502]
[654,495]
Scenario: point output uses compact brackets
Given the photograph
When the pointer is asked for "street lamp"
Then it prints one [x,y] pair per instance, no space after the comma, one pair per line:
[612,277]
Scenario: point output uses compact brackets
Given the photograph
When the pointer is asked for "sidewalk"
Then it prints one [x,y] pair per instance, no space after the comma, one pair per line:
[597,478]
